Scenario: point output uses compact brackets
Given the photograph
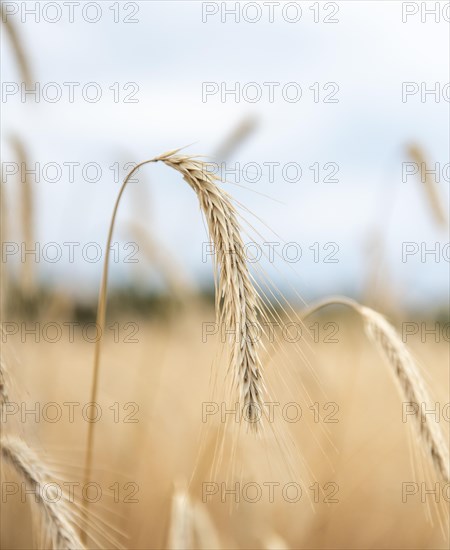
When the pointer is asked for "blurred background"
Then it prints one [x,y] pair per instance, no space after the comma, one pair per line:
[350,186]
[351,189]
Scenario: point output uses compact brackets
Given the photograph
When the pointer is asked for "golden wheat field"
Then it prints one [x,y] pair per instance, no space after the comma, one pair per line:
[366,453]
[242,343]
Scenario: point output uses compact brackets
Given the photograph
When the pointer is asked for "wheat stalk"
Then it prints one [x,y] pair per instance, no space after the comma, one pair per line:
[416,153]
[177,282]
[239,134]
[3,238]
[274,542]
[3,383]
[57,518]
[181,530]
[406,373]
[27,210]
[237,302]
[17,45]
[27,276]
[190,524]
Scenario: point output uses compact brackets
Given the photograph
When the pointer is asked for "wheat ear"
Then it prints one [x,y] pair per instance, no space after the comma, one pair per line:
[55,513]
[239,134]
[406,373]
[190,524]
[237,303]
[431,189]
[17,45]
[181,530]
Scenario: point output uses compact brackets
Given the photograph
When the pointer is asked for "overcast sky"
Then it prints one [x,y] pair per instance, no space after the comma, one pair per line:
[169,54]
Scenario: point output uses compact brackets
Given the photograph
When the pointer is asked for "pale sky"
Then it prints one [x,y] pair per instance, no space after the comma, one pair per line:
[169,54]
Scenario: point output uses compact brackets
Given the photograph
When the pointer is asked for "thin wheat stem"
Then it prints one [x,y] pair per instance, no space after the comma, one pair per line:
[101,314]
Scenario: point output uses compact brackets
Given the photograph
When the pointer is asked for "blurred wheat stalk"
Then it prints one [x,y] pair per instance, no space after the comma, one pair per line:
[432,193]
[27,271]
[190,525]
[27,274]
[377,288]
[18,47]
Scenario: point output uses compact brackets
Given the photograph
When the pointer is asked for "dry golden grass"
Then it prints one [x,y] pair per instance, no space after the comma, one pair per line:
[367,452]
[172,439]
[363,453]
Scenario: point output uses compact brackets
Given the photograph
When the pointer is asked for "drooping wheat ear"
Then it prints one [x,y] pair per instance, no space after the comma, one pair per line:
[391,346]
[237,303]
[417,154]
[55,514]
[407,375]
